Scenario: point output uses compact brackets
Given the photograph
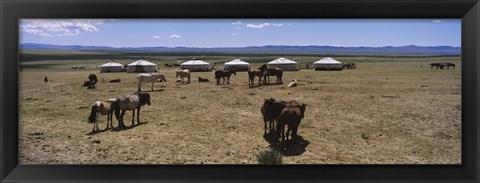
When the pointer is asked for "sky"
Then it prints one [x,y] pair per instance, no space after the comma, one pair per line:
[241,32]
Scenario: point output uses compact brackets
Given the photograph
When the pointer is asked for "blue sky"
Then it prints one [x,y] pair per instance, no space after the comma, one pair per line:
[241,32]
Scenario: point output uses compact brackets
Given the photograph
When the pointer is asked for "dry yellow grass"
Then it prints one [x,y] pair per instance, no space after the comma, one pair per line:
[387,113]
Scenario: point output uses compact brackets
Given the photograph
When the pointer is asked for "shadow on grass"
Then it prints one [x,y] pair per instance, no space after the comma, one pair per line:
[117,129]
[293,147]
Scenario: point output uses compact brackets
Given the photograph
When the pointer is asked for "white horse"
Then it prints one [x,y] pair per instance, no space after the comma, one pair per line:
[183,74]
[149,78]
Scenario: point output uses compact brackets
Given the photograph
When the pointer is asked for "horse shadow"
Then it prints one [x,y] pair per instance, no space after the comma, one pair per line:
[293,147]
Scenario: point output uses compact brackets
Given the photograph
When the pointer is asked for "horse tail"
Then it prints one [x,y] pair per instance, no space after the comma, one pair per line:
[93,115]
[116,106]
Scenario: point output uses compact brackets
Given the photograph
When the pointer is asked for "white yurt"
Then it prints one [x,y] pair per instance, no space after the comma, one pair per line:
[327,63]
[283,63]
[142,66]
[196,65]
[237,65]
[111,67]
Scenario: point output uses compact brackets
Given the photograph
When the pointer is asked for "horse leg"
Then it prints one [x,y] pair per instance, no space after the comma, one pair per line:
[265,122]
[133,116]
[288,131]
[138,115]
[120,122]
[152,84]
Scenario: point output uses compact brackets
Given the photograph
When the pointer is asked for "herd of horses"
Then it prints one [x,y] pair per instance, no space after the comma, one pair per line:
[442,66]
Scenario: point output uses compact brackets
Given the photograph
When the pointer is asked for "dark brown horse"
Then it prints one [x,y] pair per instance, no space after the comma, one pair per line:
[270,110]
[291,116]
[437,65]
[92,78]
[222,74]
[448,65]
[277,72]
[253,74]
[130,103]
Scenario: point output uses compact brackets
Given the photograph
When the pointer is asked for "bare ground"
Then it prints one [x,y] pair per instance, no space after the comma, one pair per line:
[380,113]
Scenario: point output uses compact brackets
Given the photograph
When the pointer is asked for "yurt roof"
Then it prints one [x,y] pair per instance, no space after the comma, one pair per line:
[111,64]
[195,62]
[236,62]
[282,61]
[142,62]
[327,60]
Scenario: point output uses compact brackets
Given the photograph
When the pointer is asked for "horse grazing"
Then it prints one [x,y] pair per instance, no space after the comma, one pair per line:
[130,103]
[103,108]
[291,115]
[200,80]
[270,110]
[149,78]
[183,74]
[448,65]
[253,74]
[93,78]
[437,65]
[277,72]
[224,74]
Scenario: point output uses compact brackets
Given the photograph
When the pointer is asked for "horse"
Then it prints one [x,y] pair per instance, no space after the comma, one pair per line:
[448,65]
[270,111]
[253,74]
[183,74]
[277,72]
[45,79]
[92,78]
[292,84]
[224,74]
[437,65]
[130,103]
[168,65]
[291,116]
[87,83]
[149,78]
[200,80]
[103,108]
[115,80]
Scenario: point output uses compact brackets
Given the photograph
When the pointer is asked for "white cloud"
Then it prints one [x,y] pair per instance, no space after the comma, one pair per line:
[437,21]
[156,37]
[237,23]
[277,25]
[174,36]
[59,27]
[234,34]
[257,26]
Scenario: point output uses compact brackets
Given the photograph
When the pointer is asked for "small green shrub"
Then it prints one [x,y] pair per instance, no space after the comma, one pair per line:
[270,157]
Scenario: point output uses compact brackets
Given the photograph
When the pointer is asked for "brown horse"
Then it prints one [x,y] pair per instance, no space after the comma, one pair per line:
[130,103]
[277,72]
[92,78]
[253,74]
[291,115]
[448,65]
[270,110]
[103,108]
[224,74]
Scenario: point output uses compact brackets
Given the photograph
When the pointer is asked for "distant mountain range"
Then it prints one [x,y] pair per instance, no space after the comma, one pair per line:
[269,49]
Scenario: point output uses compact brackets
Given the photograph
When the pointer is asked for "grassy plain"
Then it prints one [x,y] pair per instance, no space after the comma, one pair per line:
[387,111]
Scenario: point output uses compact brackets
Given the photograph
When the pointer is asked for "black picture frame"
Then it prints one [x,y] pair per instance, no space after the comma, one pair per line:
[467,10]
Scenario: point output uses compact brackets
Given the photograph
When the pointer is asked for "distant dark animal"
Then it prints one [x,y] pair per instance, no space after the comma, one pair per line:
[115,80]
[103,108]
[93,78]
[45,79]
[183,74]
[87,83]
[200,80]
[168,65]
[149,78]
[353,66]
[253,74]
[291,116]
[176,65]
[81,67]
[277,72]
[437,65]
[222,74]
[270,110]
[448,65]
[130,103]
